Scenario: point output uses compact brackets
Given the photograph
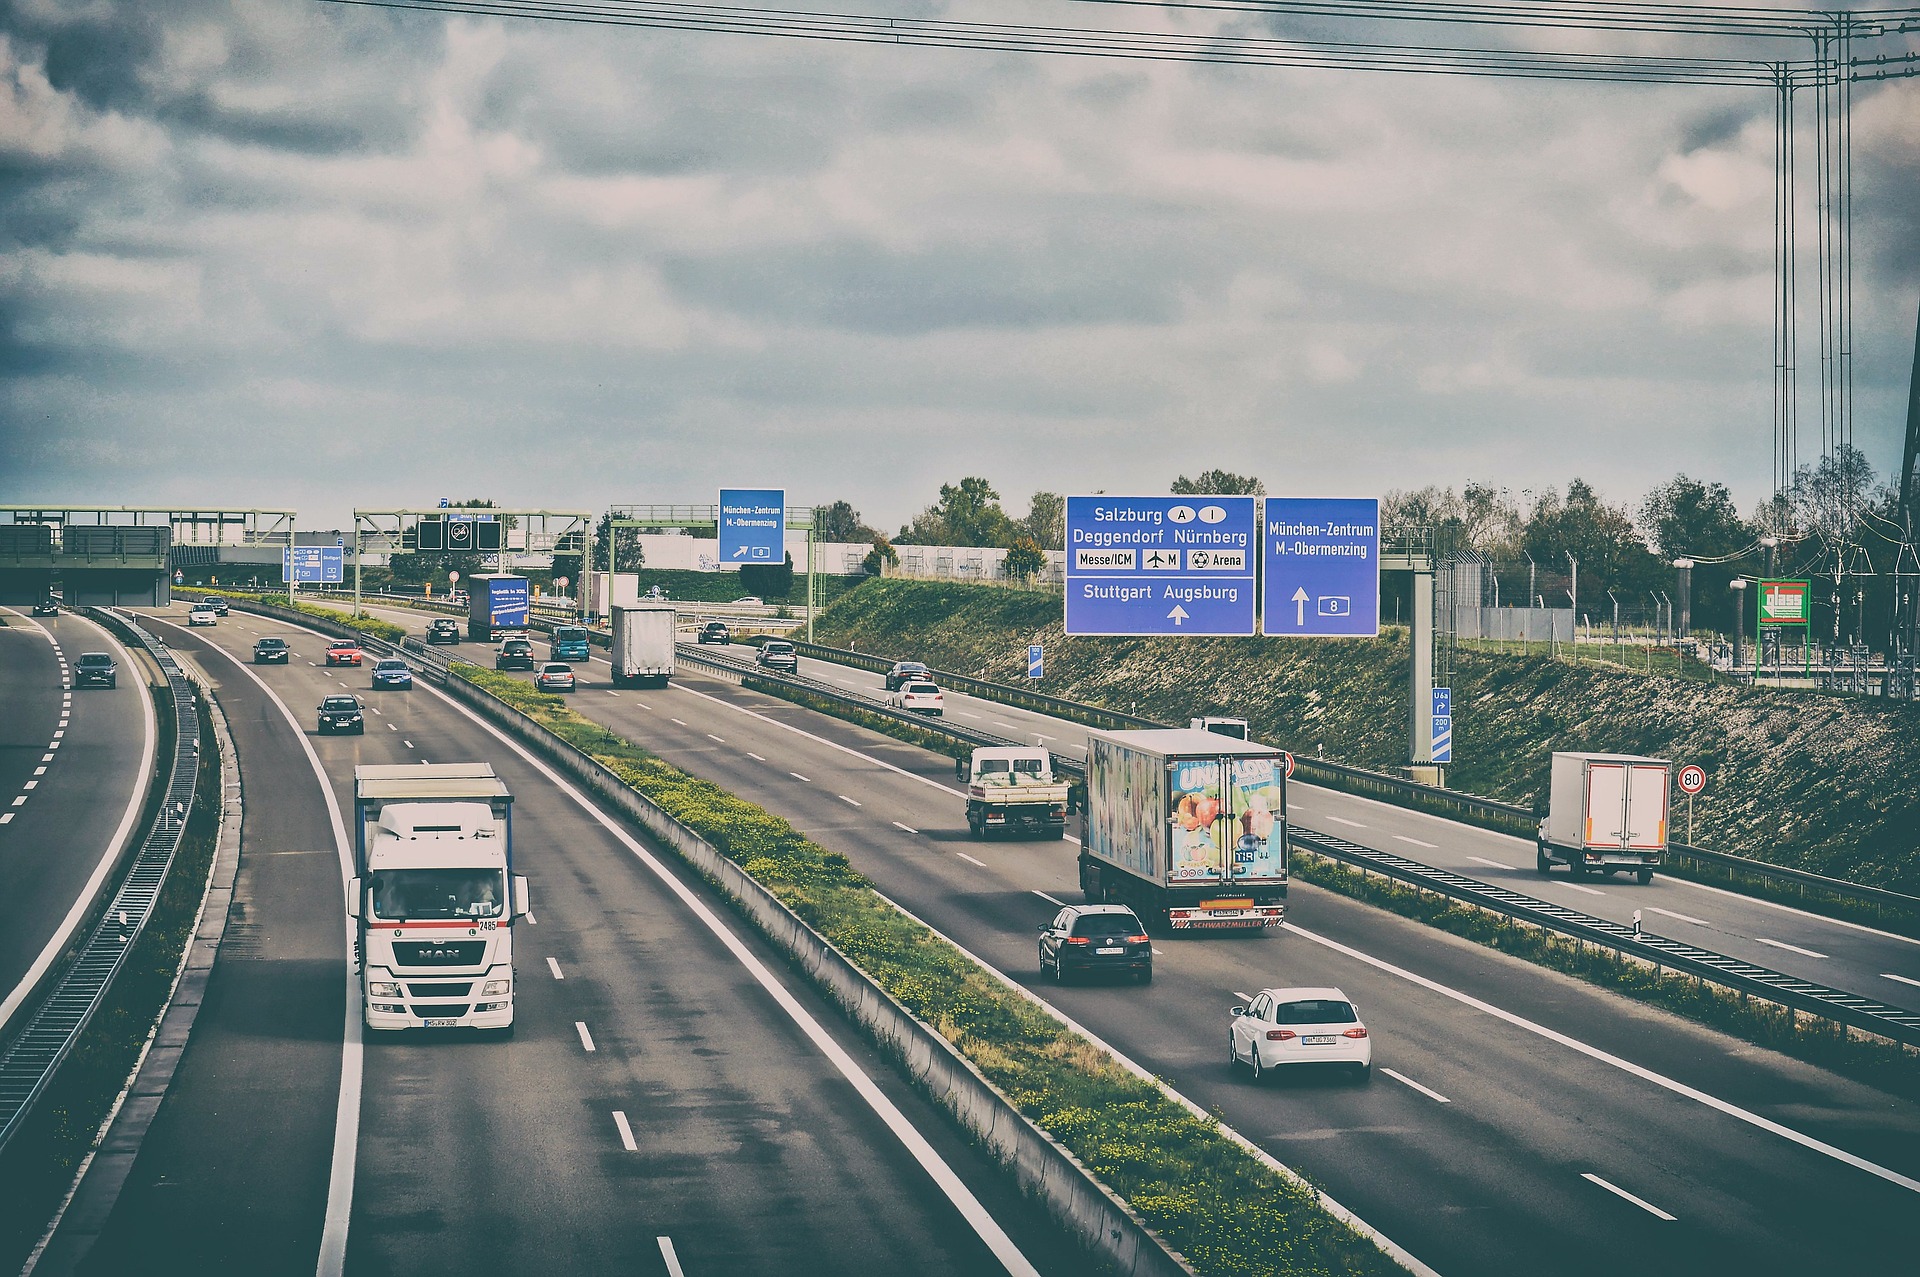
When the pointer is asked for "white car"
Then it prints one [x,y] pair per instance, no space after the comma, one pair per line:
[1299,1026]
[921,698]
[201,615]
[749,601]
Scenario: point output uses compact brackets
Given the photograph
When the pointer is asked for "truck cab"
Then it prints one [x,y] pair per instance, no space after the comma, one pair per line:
[1013,791]
[1236,728]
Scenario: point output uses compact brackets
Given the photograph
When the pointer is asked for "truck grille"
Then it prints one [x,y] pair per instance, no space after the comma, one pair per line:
[439,1010]
[460,990]
[438,953]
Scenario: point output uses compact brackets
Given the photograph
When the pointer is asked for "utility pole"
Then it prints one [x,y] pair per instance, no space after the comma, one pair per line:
[1573,593]
[1739,588]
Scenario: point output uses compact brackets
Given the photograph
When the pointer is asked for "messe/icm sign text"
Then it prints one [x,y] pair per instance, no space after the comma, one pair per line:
[753,525]
[1322,567]
[1160,565]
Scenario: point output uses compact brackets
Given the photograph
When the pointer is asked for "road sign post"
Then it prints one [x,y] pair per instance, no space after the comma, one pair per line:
[1160,565]
[753,526]
[1442,729]
[1322,567]
[1691,779]
[1783,605]
[1035,658]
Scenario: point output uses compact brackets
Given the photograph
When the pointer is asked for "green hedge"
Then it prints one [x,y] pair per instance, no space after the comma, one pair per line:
[366,625]
[1212,1200]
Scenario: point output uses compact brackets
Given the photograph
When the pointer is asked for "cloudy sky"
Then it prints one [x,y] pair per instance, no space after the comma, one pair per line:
[291,253]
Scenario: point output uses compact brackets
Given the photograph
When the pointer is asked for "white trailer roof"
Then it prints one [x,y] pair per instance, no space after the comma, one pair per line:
[1612,758]
[1187,740]
[391,781]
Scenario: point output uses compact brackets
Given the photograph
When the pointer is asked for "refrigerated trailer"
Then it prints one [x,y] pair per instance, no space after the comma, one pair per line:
[1188,827]
[1605,813]
[434,896]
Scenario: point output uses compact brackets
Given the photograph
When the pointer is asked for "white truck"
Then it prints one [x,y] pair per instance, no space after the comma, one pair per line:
[1188,827]
[434,896]
[1606,813]
[1011,790]
[643,644]
[1234,727]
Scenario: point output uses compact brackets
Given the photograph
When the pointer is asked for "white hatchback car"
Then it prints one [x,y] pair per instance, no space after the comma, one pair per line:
[1299,1026]
[200,614]
[921,698]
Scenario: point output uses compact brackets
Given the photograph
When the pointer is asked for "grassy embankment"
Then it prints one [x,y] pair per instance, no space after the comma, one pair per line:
[1223,1209]
[1823,783]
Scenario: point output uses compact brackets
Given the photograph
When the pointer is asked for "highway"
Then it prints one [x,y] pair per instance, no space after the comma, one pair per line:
[73,763]
[1519,1121]
[672,1101]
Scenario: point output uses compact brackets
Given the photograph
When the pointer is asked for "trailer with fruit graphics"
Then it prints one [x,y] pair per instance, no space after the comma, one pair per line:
[1187,827]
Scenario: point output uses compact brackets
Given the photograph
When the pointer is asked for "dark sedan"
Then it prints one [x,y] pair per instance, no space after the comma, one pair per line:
[269,650]
[392,672]
[341,714]
[95,667]
[906,672]
[443,629]
[1096,938]
[715,632]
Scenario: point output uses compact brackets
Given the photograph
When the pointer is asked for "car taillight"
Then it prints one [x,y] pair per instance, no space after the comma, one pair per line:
[1357,1031]
[1078,940]
[1140,939]
[1281,1035]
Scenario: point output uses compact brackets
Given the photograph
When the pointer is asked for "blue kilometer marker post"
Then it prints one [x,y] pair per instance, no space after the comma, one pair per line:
[1035,658]
[753,525]
[1322,566]
[1443,724]
[1160,565]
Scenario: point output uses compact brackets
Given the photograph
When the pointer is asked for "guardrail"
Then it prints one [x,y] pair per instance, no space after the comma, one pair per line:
[47,1038]
[1502,816]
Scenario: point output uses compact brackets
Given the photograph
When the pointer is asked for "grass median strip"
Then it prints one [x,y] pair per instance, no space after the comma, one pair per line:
[1210,1199]
[366,624]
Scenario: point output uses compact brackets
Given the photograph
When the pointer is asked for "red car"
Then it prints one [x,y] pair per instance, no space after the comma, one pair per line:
[343,652]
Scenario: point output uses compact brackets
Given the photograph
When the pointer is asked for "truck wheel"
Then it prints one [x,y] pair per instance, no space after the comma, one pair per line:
[1645,876]
[1541,862]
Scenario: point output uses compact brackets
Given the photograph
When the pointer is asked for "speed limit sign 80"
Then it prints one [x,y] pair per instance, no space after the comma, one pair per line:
[1692,779]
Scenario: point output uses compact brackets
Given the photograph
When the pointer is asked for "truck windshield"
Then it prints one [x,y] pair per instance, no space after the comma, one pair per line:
[422,894]
[570,634]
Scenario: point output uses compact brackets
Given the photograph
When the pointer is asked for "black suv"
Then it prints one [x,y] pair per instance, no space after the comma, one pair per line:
[268,650]
[1096,938]
[443,629]
[716,632]
[778,654]
[95,667]
[906,672]
[341,714]
[514,653]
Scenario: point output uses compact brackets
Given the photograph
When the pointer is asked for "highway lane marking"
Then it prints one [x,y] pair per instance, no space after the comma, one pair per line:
[681,721]
[821,740]
[1888,975]
[376,709]
[1620,1192]
[962,713]
[799,777]
[644,706]
[21,802]
[1790,948]
[1682,917]
[32,784]
[849,801]
[712,737]
[1624,1065]
[46,758]
[1429,1092]
[586,1038]
[407,743]
[1049,899]
[667,1256]
[532,921]
[1342,820]
[1589,890]
[40,771]
[999,722]
[909,828]
[755,757]
[970,860]
[1493,864]
[6,818]
[611,692]
[392,727]
[1244,997]
[626,1132]
[554,966]
[951,1185]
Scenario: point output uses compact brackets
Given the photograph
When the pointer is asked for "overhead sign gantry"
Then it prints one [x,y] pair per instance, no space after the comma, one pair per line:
[463,529]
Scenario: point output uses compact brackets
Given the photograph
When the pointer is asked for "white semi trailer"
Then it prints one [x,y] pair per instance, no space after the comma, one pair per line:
[643,644]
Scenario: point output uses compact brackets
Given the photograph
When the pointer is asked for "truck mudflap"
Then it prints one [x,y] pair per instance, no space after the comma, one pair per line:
[1229,914]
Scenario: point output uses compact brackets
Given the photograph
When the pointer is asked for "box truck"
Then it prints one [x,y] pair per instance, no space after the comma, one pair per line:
[1188,827]
[434,896]
[1605,813]
[608,590]
[496,606]
[643,644]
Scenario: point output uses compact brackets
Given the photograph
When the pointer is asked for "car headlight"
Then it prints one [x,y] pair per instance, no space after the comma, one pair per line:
[354,719]
[496,988]
[382,989]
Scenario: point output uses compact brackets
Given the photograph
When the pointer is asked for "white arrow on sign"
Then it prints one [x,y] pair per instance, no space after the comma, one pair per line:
[741,553]
[1178,614]
[1300,606]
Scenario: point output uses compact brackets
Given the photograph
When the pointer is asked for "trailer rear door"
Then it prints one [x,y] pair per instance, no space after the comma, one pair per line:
[1646,815]
[1606,805]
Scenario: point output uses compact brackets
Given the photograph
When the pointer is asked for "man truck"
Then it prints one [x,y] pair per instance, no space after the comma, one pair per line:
[1188,827]
[496,606]
[1605,813]
[1013,791]
[643,644]
[434,896]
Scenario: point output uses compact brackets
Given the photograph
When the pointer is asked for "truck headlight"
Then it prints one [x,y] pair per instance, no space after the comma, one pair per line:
[496,988]
[382,989]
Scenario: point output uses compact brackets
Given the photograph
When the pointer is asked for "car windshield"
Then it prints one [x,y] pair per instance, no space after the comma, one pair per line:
[345,645]
[779,649]
[516,645]
[96,659]
[1315,1011]
[271,642]
[438,893]
[392,666]
[570,634]
[555,669]
[1106,924]
[910,667]
[923,689]
[336,703]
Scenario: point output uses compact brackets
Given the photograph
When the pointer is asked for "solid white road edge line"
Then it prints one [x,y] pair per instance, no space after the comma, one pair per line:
[1620,1192]
[1272,1163]
[1626,1066]
[984,1225]
[57,942]
[1429,1092]
[346,1117]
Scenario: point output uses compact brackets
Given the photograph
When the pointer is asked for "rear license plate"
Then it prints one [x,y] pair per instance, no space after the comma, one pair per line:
[1109,952]
[1316,1040]
[449,1023]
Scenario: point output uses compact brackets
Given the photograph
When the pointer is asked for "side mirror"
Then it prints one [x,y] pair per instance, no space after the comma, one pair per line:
[1238,1011]
[354,890]
[959,769]
[522,897]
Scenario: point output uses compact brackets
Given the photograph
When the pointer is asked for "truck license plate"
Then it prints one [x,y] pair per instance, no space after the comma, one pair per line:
[1316,1040]
[1109,951]
[449,1023]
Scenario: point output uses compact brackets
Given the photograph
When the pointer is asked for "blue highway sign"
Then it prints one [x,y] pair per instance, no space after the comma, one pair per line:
[1035,661]
[1160,565]
[753,525]
[1322,565]
[312,564]
[1443,724]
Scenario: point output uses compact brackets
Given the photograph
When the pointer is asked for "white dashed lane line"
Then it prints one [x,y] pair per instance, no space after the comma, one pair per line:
[970,860]
[1493,864]
[1682,917]
[554,966]
[849,801]
[626,1132]
[755,757]
[1623,1194]
[797,776]
[1790,948]
[1431,1094]
[1589,890]
[1888,975]
[681,721]
[716,739]
[586,1038]
[671,1260]
[1342,820]
[910,829]
[1049,899]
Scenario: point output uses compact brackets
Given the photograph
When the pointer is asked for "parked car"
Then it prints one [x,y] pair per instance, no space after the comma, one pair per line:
[778,654]
[1299,1026]
[392,672]
[201,614]
[344,652]
[1087,938]
[514,654]
[268,650]
[443,629]
[46,607]
[715,632]
[921,698]
[95,667]
[906,672]
[341,714]
[554,676]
